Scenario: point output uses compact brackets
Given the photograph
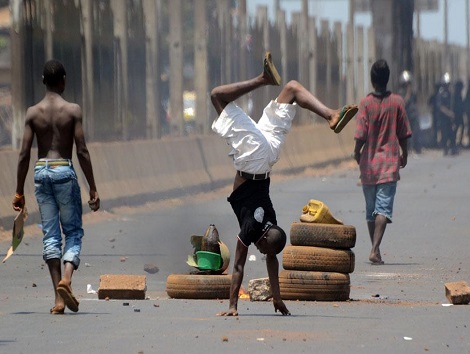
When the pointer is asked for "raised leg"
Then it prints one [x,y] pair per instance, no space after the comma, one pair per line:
[293,91]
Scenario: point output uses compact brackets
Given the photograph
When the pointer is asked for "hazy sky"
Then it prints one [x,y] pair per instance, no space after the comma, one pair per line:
[432,23]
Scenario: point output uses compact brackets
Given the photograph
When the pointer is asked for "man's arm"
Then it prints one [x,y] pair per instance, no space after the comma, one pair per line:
[23,163]
[357,150]
[273,272]
[84,159]
[404,152]
[237,277]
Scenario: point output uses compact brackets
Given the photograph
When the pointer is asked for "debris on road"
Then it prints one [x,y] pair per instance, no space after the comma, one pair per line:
[151,268]
[458,293]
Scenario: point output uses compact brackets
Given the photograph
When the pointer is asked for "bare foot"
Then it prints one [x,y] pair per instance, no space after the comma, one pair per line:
[376,259]
[58,310]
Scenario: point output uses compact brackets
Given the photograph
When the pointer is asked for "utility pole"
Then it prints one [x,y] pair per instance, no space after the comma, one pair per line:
[87,68]
[201,83]
[467,13]
[446,37]
[151,69]
[120,33]
[176,64]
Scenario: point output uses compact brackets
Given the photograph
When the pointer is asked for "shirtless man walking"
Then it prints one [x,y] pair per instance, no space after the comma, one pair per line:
[57,124]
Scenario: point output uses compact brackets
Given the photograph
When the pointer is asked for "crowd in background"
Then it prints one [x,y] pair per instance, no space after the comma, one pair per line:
[450,109]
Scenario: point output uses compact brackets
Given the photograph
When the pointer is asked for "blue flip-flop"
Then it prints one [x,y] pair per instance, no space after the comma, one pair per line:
[345,116]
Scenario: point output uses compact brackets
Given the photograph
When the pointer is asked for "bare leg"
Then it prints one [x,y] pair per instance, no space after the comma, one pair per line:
[371,227]
[221,96]
[293,91]
[379,230]
[68,271]
[56,275]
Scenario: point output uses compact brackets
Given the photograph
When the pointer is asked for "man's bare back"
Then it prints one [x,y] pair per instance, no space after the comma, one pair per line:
[53,122]
[57,125]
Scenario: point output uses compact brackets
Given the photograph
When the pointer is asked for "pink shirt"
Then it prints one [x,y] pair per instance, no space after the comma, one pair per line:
[381,123]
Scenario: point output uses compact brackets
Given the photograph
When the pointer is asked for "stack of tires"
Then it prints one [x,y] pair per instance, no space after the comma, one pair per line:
[318,262]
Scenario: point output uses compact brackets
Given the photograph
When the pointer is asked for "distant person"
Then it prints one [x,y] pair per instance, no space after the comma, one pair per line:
[467,113]
[255,149]
[382,130]
[409,97]
[447,116]
[57,125]
[436,124]
[458,107]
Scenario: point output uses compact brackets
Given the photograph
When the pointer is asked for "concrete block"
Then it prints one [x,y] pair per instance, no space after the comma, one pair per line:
[458,293]
[121,286]
[259,289]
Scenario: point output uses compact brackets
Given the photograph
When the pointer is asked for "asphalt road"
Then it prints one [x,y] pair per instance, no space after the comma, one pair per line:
[394,308]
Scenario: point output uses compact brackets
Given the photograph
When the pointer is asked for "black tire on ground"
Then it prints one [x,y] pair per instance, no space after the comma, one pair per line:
[322,235]
[314,286]
[318,259]
[189,286]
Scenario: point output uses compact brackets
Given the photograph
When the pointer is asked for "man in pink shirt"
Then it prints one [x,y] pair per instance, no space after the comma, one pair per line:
[382,130]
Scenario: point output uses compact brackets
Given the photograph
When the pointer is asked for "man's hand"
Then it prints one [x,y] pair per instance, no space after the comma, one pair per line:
[403,160]
[230,312]
[281,307]
[18,202]
[357,156]
[94,202]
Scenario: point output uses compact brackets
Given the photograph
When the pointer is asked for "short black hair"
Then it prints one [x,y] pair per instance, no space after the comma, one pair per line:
[53,73]
[276,239]
[380,73]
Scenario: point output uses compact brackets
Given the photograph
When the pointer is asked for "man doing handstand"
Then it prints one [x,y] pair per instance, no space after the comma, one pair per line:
[255,149]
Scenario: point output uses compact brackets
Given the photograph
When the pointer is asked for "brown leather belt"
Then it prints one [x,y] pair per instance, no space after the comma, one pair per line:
[254,177]
[54,163]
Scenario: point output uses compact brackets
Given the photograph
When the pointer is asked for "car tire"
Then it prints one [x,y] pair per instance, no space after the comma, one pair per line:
[318,259]
[189,286]
[322,235]
[314,286]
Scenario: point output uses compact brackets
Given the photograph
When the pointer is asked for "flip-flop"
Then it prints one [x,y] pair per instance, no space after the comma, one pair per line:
[271,70]
[345,116]
[57,311]
[66,293]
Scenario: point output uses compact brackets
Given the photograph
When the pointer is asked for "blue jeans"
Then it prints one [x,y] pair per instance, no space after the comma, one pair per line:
[379,200]
[58,196]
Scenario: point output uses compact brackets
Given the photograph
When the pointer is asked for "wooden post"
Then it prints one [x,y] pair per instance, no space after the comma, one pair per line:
[120,32]
[302,34]
[176,64]
[87,67]
[263,23]
[200,65]
[223,14]
[17,71]
[351,91]
[371,54]
[360,62]
[152,76]
[48,40]
[243,32]
[339,82]
[281,24]
[313,50]
[326,39]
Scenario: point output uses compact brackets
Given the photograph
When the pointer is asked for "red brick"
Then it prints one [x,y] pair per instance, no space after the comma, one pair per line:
[458,293]
[121,286]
